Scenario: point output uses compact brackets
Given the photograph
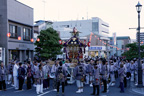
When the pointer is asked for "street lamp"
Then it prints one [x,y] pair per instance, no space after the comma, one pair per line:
[138,7]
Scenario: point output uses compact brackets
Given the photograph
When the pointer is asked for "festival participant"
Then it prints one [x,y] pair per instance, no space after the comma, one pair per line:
[136,71]
[15,75]
[60,77]
[66,65]
[21,76]
[104,75]
[112,75]
[128,69]
[121,76]
[39,75]
[116,67]
[35,69]
[46,70]
[125,80]
[53,71]
[96,81]
[10,72]
[90,68]
[29,76]
[132,70]
[79,74]
[2,76]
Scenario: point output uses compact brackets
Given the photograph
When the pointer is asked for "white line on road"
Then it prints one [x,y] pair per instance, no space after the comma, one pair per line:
[45,93]
[19,91]
[10,88]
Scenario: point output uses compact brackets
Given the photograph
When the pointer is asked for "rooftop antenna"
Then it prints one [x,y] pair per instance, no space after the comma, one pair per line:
[44,8]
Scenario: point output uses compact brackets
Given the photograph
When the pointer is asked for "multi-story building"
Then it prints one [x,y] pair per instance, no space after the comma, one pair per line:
[16,19]
[121,43]
[41,25]
[95,25]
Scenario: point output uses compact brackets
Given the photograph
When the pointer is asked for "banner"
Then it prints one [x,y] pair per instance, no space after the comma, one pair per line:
[114,38]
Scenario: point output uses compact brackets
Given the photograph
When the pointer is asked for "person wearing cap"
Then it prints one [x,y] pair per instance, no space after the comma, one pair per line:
[121,76]
[96,81]
[46,70]
[15,75]
[90,68]
[2,76]
[79,74]
[21,76]
[40,76]
[142,62]
[60,77]
[10,72]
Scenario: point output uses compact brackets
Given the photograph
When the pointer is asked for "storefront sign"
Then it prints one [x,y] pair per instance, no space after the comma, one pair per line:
[97,48]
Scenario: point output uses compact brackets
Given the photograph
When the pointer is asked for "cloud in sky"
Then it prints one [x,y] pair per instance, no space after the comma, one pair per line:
[120,14]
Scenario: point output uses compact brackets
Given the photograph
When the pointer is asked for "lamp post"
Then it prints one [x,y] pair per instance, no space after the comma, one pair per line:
[138,7]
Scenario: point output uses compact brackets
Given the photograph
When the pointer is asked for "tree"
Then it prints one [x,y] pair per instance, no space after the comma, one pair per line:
[48,46]
[133,51]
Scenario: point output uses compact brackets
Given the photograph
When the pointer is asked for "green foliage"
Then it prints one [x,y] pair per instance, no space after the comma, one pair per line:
[48,46]
[133,51]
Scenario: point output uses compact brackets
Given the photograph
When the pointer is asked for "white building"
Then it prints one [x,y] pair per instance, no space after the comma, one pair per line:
[94,25]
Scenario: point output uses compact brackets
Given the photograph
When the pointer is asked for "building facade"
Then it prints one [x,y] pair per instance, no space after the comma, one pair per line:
[17,20]
[121,43]
[94,26]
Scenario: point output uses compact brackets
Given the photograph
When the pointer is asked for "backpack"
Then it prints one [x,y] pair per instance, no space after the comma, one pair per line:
[60,70]
[80,70]
[60,73]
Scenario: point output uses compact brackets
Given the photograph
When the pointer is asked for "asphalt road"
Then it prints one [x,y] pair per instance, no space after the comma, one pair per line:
[70,90]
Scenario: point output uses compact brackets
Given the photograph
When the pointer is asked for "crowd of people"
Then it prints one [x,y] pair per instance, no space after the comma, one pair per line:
[95,72]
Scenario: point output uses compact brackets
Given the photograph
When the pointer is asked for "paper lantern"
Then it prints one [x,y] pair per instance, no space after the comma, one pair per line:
[19,38]
[8,34]
[89,43]
[38,39]
[60,42]
[32,40]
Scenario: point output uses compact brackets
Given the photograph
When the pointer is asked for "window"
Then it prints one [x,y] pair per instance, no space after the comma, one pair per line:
[26,34]
[95,26]
[13,31]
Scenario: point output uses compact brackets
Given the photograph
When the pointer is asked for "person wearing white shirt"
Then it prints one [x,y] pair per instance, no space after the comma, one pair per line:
[15,75]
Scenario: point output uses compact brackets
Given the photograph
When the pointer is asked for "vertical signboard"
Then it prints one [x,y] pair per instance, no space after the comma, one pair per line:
[114,38]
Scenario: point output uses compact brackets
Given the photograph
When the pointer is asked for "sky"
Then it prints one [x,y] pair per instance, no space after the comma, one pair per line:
[119,14]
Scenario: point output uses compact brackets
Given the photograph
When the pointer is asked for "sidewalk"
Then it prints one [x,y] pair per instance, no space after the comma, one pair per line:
[138,90]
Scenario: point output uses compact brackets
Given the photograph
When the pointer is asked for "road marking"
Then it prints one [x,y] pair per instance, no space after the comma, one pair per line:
[10,88]
[45,93]
[19,91]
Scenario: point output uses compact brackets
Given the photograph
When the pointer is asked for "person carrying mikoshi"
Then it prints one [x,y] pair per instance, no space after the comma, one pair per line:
[96,79]
[79,74]
[60,77]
